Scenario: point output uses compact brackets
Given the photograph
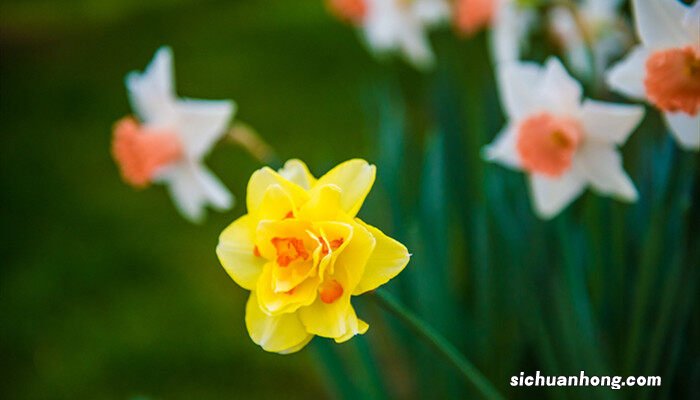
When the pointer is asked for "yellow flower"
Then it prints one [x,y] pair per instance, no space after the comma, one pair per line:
[303,254]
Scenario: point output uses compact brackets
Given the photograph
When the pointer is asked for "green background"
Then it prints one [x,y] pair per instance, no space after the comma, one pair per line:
[105,291]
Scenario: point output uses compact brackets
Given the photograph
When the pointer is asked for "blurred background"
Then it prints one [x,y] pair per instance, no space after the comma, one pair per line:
[107,293]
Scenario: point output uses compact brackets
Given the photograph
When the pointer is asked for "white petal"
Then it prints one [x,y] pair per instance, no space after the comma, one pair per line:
[389,26]
[691,22]
[602,166]
[564,26]
[559,91]
[416,47]
[609,48]
[201,123]
[601,9]
[660,23]
[609,122]
[510,27]
[152,92]
[627,76]
[685,128]
[185,191]
[214,191]
[517,84]
[502,150]
[192,186]
[431,12]
[551,195]
[381,25]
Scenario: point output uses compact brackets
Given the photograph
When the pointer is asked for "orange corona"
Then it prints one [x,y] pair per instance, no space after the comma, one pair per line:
[672,79]
[330,291]
[140,152]
[547,143]
[289,250]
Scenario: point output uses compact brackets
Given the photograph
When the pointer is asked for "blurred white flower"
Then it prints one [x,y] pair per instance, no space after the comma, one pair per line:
[170,139]
[602,26]
[511,25]
[401,26]
[563,143]
[665,68]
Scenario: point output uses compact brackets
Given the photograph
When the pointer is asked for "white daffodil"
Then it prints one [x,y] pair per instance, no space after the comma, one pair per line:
[665,69]
[396,25]
[602,26]
[170,138]
[511,23]
[563,143]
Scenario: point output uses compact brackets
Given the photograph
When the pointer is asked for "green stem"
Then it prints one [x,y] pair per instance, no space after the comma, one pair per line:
[438,342]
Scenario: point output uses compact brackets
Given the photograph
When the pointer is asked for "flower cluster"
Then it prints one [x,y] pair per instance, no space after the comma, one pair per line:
[395,25]
[403,26]
[300,249]
[566,145]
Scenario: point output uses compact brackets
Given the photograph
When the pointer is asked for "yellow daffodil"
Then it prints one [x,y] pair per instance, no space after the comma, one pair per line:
[302,253]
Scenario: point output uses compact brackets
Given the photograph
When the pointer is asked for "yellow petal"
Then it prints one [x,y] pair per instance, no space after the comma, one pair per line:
[278,303]
[297,347]
[276,204]
[336,237]
[327,320]
[352,260]
[388,259]
[236,253]
[287,278]
[296,171]
[336,319]
[354,325]
[280,334]
[265,177]
[323,205]
[355,178]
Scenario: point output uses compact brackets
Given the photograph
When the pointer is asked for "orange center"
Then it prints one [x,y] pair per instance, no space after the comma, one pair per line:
[330,291]
[335,244]
[349,10]
[547,143]
[140,151]
[672,79]
[289,250]
[473,15]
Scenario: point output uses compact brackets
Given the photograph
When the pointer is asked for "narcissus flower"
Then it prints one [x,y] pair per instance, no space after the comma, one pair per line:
[171,136]
[563,144]
[665,68]
[303,254]
[396,25]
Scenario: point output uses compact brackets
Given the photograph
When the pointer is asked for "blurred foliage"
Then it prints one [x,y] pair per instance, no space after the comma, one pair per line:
[106,292]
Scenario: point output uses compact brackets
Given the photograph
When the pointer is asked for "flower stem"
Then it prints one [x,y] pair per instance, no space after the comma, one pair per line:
[438,343]
[245,136]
